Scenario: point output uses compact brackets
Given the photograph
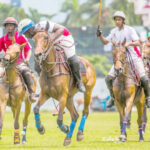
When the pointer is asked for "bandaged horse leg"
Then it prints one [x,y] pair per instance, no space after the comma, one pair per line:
[27,76]
[144,118]
[16,113]
[145,83]
[74,117]
[109,82]
[75,66]
[41,101]
[140,113]
[62,104]
[25,120]
[122,122]
[127,110]
[87,99]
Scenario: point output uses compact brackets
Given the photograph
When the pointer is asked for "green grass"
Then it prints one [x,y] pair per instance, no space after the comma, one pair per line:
[101,133]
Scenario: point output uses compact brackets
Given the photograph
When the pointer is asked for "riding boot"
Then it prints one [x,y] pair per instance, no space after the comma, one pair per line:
[75,68]
[29,81]
[109,82]
[145,83]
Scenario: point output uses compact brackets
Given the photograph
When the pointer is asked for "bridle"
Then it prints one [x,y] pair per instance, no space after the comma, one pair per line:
[10,63]
[118,59]
[43,55]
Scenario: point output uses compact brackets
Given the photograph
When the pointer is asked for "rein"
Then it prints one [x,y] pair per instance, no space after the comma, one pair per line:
[133,72]
[8,65]
[42,58]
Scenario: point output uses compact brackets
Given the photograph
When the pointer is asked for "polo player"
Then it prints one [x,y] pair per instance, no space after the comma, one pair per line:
[120,33]
[10,25]
[61,37]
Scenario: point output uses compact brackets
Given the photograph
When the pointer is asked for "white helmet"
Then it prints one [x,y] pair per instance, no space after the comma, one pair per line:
[119,14]
[24,25]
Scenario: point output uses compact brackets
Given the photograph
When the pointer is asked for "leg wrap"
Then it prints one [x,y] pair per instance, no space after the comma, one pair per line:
[72,126]
[82,123]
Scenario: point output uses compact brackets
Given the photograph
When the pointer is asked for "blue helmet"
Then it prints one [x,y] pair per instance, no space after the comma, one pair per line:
[25,25]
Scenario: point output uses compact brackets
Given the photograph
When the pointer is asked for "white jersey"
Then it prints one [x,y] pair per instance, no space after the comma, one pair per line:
[65,41]
[127,33]
[42,25]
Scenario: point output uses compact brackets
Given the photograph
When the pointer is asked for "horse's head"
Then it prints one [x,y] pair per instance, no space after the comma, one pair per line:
[42,43]
[119,57]
[12,53]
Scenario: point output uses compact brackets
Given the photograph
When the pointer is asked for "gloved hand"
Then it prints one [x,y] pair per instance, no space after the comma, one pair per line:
[99,32]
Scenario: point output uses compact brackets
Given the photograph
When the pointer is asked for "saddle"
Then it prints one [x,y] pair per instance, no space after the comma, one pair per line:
[62,58]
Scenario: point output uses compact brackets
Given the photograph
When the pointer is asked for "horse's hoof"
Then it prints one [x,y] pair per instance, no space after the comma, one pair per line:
[67,141]
[122,138]
[80,135]
[141,140]
[16,143]
[24,142]
[41,130]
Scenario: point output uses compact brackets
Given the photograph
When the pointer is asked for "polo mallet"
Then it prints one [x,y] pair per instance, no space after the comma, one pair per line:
[99,16]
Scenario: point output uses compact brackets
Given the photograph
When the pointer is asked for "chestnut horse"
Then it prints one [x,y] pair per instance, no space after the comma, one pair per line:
[13,92]
[145,48]
[57,82]
[126,90]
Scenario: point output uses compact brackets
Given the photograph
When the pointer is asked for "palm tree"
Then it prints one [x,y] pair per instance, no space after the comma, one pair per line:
[84,14]
[72,8]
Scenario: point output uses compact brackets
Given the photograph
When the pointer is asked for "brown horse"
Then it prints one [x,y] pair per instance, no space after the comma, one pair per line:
[126,91]
[58,83]
[13,92]
[145,49]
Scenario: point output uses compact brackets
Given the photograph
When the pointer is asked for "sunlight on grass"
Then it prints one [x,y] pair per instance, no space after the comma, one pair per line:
[101,133]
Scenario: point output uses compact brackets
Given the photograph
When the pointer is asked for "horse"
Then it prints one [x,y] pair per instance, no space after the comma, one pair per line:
[126,90]
[14,92]
[145,50]
[58,84]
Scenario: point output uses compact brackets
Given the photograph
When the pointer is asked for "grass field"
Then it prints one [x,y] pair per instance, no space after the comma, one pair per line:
[101,133]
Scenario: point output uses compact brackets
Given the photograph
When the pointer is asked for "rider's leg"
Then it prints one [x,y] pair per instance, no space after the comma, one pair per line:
[145,83]
[109,82]
[28,79]
[73,60]
[75,66]
[146,86]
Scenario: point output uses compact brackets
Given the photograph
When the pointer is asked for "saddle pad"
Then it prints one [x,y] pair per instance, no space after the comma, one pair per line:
[63,58]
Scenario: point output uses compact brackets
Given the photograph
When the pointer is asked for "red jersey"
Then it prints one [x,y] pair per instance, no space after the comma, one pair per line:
[5,42]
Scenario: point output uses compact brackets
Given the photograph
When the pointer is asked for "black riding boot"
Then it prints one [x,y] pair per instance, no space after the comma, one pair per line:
[145,83]
[109,82]
[27,76]
[75,67]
